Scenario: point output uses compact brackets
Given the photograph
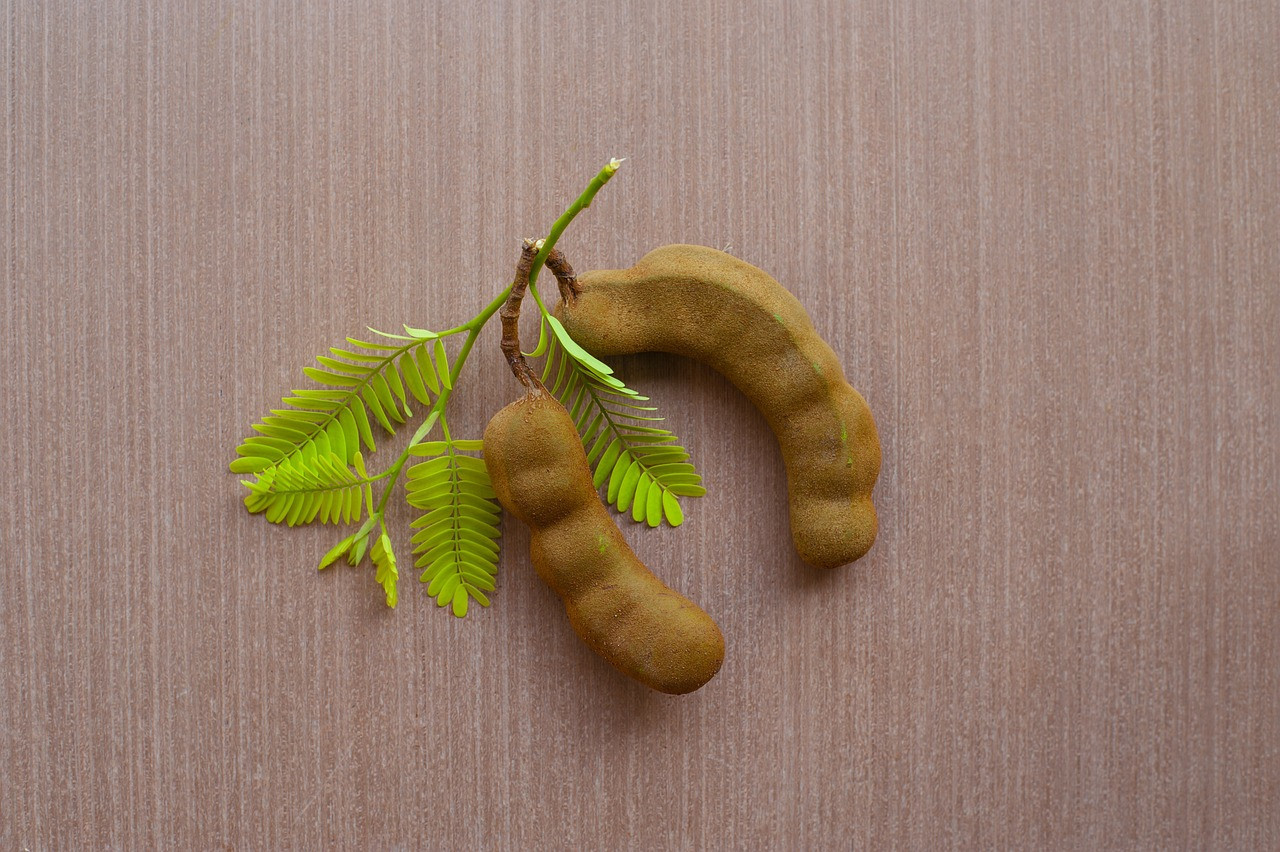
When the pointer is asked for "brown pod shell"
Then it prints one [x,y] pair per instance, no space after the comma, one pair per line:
[707,305]
[614,603]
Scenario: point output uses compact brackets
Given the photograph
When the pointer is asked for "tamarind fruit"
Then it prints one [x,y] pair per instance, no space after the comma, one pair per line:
[708,305]
[539,472]
[614,603]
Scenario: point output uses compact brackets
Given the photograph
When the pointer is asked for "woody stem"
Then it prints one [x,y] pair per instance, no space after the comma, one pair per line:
[510,315]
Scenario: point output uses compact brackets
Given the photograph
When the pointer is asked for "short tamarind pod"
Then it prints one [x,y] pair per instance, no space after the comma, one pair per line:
[707,305]
[615,604]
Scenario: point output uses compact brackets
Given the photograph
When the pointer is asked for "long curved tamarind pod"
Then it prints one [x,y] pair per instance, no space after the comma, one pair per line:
[710,306]
[540,474]
[615,604]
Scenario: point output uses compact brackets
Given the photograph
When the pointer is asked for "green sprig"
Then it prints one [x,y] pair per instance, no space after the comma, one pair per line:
[307,466]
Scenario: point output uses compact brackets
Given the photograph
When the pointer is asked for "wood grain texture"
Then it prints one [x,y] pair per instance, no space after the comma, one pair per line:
[1041,237]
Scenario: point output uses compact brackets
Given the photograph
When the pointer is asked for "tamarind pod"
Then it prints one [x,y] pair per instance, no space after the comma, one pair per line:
[615,604]
[707,305]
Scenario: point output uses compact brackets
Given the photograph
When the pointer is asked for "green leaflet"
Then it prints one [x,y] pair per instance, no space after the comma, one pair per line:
[420,332]
[641,466]
[582,357]
[457,533]
[442,364]
[541,348]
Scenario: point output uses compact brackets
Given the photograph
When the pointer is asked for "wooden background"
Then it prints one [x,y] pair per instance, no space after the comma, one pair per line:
[1043,239]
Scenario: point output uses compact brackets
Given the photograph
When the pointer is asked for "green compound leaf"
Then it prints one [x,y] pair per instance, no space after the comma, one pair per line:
[641,466]
[306,488]
[292,449]
[385,561]
[383,557]
[456,535]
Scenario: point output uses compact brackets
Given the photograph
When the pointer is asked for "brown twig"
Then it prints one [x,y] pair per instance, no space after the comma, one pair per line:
[565,277]
[510,315]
